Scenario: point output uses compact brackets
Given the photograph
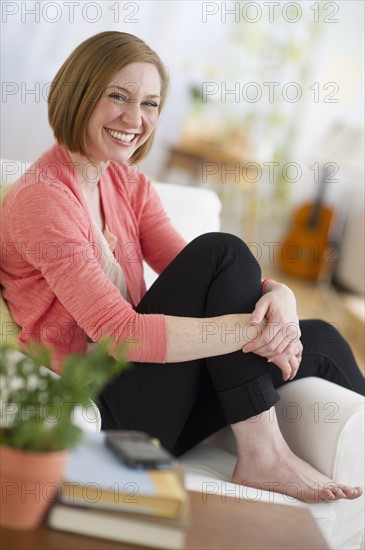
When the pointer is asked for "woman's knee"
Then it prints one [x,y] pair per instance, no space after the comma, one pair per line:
[228,247]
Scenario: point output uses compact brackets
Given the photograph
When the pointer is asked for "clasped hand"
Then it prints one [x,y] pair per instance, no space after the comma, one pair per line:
[278,338]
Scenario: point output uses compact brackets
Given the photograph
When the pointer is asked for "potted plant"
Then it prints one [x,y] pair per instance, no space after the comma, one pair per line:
[37,427]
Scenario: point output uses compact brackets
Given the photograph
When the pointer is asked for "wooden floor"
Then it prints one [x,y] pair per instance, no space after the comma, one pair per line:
[316,301]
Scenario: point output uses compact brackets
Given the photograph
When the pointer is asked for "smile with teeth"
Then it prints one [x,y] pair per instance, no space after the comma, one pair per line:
[126,138]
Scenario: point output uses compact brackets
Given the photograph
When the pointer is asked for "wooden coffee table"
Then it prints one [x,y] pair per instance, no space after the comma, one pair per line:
[215,523]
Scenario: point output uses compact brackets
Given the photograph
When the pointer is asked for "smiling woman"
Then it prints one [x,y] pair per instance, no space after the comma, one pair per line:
[186,334]
[95,71]
[125,116]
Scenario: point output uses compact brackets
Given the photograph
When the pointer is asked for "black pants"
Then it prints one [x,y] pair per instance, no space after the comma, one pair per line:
[183,403]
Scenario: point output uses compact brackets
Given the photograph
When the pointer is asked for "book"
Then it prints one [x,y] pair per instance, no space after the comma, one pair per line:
[126,527]
[96,478]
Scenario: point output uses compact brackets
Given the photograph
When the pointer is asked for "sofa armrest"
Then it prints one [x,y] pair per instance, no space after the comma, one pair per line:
[88,418]
[192,211]
[322,422]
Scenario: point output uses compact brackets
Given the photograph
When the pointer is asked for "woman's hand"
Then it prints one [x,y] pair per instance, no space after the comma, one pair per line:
[288,361]
[279,341]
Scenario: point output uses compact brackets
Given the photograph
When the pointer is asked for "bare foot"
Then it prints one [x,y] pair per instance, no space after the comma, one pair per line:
[283,472]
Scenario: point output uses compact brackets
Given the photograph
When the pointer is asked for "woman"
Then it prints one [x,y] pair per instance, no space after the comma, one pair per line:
[77,227]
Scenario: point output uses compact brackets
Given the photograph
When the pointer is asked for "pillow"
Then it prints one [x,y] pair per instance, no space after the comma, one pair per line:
[9,330]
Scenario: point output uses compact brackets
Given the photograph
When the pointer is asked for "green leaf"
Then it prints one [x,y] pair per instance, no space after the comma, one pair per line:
[36,407]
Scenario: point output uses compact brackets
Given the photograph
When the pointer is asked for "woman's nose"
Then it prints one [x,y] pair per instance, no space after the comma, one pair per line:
[132,115]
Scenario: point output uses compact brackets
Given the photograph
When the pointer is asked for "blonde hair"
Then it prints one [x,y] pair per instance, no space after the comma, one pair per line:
[82,79]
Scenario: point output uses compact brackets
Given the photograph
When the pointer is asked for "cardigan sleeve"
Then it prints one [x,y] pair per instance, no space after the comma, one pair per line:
[49,220]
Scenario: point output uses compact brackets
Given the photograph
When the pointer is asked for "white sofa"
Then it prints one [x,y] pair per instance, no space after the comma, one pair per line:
[323,423]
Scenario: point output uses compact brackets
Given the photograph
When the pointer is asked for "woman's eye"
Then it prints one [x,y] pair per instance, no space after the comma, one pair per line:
[151,104]
[118,97]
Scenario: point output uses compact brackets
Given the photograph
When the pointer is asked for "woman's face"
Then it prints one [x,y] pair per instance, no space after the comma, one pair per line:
[126,114]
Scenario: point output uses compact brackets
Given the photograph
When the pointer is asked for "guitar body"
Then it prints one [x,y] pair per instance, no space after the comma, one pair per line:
[303,251]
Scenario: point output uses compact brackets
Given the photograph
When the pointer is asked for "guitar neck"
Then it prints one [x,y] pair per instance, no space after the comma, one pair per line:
[313,219]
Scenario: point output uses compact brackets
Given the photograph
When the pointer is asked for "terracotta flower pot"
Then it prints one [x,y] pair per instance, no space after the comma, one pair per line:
[30,482]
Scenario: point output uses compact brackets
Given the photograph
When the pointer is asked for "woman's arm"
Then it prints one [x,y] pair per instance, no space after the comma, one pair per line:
[195,338]
[272,331]
[48,215]
[192,338]
[46,218]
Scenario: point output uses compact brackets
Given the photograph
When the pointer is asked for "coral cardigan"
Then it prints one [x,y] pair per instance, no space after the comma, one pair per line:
[50,266]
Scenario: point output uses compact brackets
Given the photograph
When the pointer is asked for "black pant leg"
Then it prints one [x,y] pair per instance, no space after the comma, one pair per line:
[214,275]
[182,403]
[326,354]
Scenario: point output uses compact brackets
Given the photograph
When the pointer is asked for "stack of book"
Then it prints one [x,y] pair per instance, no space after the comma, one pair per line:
[101,497]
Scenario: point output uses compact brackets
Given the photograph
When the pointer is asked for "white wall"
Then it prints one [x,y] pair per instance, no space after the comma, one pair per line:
[220,42]
[34,45]
[339,63]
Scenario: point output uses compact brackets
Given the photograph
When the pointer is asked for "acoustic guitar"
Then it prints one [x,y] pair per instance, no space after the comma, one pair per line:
[306,249]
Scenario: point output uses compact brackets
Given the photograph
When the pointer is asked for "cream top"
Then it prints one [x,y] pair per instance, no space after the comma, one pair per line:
[109,263]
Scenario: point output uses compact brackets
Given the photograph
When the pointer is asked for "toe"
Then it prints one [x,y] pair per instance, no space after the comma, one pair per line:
[338,492]
[327,495]
[351,492]
[356,492]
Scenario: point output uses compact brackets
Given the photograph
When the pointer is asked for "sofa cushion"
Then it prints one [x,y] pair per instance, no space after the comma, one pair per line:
[9,330]
[192,211]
